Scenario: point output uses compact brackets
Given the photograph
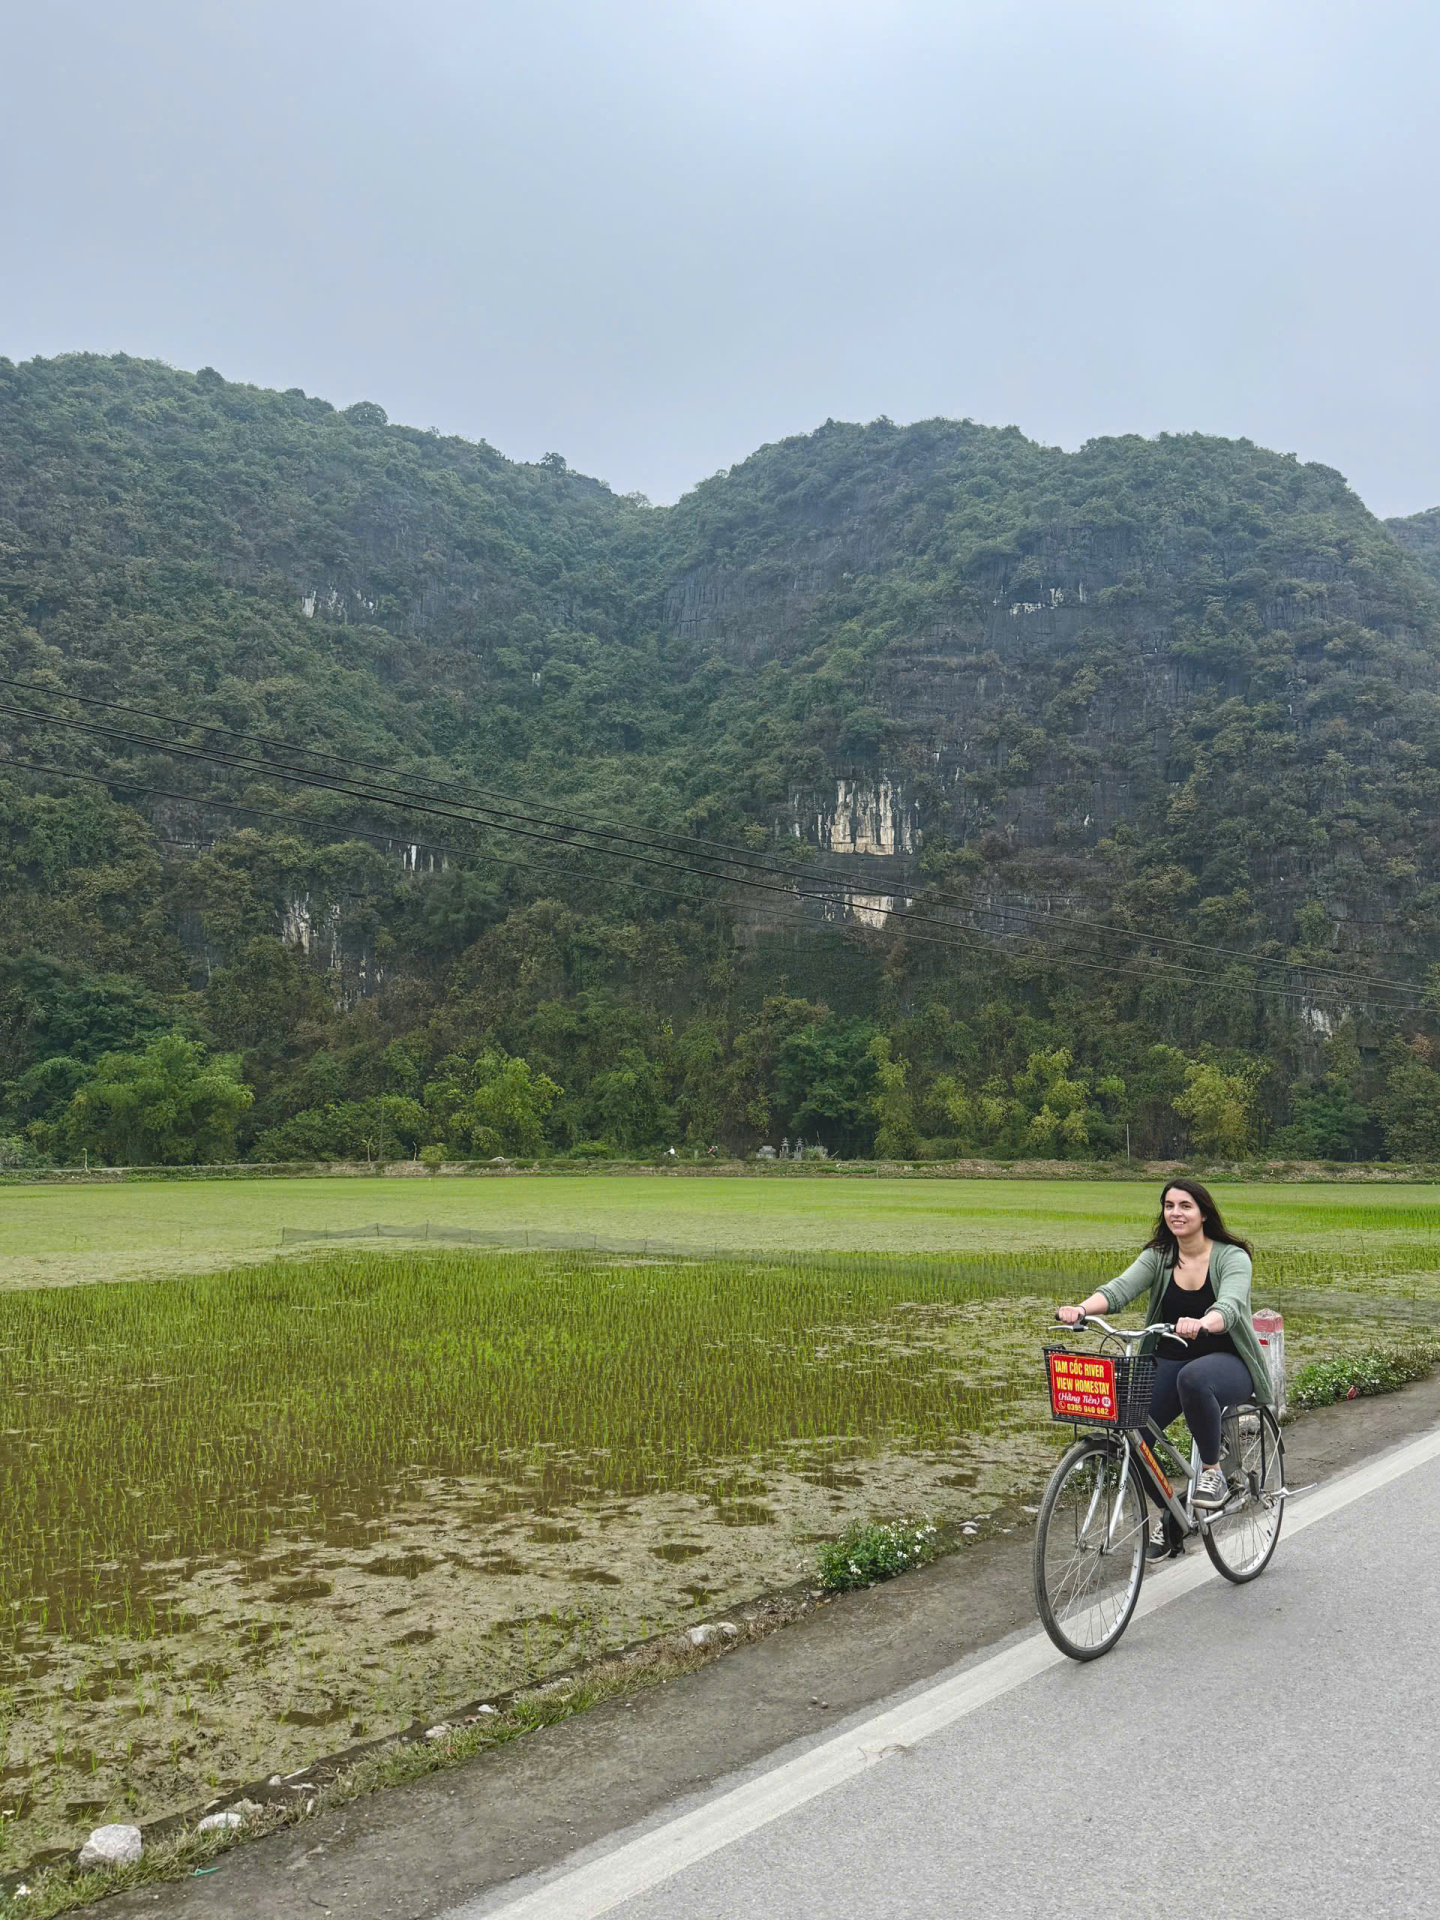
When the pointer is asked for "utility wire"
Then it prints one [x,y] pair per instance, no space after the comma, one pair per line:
[832,894]
[1045,918]
[790,893]
[357,790]
[791,890]
[515,809]
[513,862]
[300,822]
[527,810]
[982,950]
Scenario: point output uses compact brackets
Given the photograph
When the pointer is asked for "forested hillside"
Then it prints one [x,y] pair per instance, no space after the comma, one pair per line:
[1419,534]
[903,789]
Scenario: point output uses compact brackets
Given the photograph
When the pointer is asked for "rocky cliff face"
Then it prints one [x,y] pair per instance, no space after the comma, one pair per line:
[1208,647]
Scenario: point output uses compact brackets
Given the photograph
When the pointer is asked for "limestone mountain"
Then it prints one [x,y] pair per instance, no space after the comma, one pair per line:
[1123,753]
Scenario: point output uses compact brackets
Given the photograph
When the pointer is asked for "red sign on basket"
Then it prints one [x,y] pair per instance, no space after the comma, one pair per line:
[1082,1387]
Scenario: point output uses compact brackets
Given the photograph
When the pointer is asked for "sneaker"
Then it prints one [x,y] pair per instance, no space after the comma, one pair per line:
[1164,1541]
[1212,1489]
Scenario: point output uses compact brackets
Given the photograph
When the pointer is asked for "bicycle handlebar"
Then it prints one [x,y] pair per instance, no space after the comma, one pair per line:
[1121,1333]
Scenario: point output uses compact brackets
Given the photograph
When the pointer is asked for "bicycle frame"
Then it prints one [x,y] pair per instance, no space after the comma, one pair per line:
[1146,1446]
[1153,1446]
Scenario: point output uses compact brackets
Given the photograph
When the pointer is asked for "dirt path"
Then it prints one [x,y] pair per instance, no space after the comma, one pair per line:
[413,1852]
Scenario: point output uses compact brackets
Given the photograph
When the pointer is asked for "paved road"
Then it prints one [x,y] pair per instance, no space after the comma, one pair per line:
[1266,1750]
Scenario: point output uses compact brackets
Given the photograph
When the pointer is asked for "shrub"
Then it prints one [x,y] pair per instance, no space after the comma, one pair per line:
[432,1158]
[166,1104]
[870,1551]
[17,1154]
[494,1105]
[1354,1376]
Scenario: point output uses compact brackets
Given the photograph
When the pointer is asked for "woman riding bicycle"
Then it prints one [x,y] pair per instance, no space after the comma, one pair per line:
[1197,1275]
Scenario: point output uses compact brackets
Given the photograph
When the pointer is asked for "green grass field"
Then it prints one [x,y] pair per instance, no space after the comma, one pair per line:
[139,1230]
[261,1506]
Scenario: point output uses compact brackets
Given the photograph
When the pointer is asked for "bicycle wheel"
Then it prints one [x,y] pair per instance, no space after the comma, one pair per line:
[1241,1538]
[1089,1550]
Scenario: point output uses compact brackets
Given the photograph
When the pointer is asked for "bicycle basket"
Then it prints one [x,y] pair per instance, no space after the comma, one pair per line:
[1099,1389]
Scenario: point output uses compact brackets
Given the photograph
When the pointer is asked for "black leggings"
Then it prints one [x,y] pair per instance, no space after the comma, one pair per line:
[1200,1389]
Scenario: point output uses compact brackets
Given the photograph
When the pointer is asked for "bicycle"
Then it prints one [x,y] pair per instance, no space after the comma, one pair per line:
[1093,1524]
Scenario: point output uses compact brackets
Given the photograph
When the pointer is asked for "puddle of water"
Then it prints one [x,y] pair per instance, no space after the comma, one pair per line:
[745,1513]
[399,1566]
[320,1717]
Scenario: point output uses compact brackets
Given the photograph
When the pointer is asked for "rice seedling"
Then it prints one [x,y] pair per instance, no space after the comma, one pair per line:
[245,1516]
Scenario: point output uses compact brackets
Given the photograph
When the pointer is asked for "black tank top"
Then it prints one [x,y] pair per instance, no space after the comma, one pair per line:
[1180,1303]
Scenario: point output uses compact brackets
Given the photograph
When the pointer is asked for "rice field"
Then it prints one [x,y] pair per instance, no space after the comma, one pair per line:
[249,1516]
[53,1234]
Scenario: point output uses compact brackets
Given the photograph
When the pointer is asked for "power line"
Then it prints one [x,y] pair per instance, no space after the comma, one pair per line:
[127,785]
[118,780]
[527,810]
[388,838]
[792,887]
[395,797]
[515,810]
[981,950]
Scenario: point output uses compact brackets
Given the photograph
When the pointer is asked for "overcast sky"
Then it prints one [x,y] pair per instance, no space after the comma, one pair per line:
[652,236]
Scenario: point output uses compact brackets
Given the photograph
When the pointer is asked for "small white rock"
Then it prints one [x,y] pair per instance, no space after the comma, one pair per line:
[706,1636]
[228,1818]
[729,1629]
[116,1846]
[487,1710]
[437,1733]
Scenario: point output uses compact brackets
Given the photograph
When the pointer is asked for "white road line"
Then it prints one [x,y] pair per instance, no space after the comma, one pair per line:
[600,1886]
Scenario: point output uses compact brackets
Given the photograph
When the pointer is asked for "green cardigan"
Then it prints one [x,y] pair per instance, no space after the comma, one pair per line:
[1229,1276]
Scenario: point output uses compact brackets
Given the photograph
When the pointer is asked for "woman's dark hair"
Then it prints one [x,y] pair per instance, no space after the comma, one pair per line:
[1210,1219]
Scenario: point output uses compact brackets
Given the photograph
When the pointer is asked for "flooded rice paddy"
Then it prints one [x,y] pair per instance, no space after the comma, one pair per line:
[247,1518]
